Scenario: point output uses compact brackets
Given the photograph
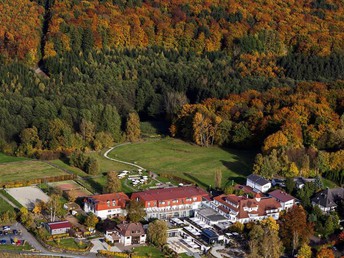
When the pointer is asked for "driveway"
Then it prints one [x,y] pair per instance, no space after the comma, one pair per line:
[100,244]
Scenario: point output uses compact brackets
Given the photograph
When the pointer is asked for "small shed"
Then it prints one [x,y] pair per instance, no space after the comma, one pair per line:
[58,227]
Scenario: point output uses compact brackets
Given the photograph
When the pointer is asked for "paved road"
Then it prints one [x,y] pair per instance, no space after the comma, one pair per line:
[36,245]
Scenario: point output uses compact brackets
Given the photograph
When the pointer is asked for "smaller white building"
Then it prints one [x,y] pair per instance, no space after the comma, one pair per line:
[126,234]
[258,183]
[286,200]
[58,227]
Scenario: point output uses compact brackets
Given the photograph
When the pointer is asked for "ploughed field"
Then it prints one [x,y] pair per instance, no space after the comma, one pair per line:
[189,161]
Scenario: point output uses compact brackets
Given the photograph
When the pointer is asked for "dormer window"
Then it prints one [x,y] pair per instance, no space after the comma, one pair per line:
[113,202]
[108,203]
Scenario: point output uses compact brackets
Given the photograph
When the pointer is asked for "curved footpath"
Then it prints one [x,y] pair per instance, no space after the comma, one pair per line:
[121,161]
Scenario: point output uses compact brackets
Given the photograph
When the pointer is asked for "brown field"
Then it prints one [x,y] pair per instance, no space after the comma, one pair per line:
[71,185]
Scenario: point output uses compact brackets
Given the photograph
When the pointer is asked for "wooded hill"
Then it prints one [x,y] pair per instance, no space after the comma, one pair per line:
[107,59]
[239,27]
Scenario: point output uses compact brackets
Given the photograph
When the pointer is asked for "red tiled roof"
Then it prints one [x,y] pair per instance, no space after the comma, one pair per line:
[59,224]
[170,193]
[281,196]
[109,201]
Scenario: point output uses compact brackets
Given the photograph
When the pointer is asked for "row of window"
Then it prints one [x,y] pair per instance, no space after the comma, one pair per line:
[173,201]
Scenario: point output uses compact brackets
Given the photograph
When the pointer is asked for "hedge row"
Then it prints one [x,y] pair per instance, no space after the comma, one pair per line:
[39,181]
[113,254]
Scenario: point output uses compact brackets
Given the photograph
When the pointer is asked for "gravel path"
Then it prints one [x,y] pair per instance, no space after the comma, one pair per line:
[121,161]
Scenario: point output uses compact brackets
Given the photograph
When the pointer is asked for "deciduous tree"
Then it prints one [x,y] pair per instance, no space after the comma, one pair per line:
[113,184]
[157,232]
[136,211]
[294,228]
[132,130]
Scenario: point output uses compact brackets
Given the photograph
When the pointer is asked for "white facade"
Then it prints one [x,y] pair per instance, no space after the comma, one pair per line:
[183,210]
[262,188]
[103,214]
[232,215]
[324,209]
[115,238]
[288,204]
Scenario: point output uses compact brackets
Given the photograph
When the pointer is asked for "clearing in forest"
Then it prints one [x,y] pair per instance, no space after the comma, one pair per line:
[182,159]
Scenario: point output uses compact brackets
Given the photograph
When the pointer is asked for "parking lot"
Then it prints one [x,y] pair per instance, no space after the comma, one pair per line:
[8,234]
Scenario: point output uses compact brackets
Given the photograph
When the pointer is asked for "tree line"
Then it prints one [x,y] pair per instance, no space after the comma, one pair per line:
[298,130]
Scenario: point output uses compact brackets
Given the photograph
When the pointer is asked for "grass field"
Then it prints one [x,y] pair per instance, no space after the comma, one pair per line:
[65,166]
[4,206]
[148,251]
[10,198]
[25,170]
[189,161]
[107,165]
[4,158]
[8,247]
[68,243]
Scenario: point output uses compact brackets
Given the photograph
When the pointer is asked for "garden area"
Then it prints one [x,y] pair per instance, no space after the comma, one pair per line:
[148,251]
[71,244]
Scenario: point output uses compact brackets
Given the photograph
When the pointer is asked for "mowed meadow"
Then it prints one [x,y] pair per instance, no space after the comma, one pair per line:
[14,169]
[185,160]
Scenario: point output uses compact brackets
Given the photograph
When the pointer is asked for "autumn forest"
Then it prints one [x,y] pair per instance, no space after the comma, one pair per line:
[265,75]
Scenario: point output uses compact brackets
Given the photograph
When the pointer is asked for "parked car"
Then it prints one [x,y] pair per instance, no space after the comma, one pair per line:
[1,233]
[3,241]
[6,228]
[15,232]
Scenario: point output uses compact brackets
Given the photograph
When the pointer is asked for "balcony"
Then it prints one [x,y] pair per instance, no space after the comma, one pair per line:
[168,209]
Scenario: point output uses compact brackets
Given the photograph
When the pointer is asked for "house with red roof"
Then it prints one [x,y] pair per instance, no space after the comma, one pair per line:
[244,209]
[172,202]
[286,200]
[107,205]
[58,227]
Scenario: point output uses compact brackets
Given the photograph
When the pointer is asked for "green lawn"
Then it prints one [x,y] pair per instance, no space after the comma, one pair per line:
[65,166]
[328,183]
[9,197]
[25,170]
[4,206]
[4,158]
[15,247]
[148,251]
[68,243]
[189,161]
[108,165]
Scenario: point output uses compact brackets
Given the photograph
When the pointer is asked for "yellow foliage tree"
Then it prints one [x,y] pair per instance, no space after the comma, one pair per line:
[275,140]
